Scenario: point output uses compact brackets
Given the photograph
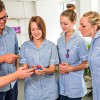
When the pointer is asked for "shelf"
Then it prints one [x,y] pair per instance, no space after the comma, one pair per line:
[17,18]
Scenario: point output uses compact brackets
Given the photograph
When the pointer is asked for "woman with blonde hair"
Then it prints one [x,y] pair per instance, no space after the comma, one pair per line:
[73,59]
[90,27]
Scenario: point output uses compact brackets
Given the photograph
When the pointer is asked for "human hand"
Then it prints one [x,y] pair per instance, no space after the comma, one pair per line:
[64,68]
[24,72]
[39,70]
[60,67]
[9,58]
[38,67]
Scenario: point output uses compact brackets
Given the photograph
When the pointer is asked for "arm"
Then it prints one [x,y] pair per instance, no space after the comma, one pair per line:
[51,69]
[1,59]
[21,73]
[82,66]
[8,58]
[66,68]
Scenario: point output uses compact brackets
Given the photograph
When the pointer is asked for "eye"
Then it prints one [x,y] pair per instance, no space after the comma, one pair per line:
[32,29]
[65,23]
[38,29]
[83,26]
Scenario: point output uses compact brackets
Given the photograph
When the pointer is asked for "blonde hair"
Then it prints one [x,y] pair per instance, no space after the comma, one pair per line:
[70,12]
[93,18]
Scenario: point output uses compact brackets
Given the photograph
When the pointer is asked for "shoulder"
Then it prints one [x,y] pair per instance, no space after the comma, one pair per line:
[79,38]
[60,39]
[9,29]
[81,42]
[49,42]
[26,43]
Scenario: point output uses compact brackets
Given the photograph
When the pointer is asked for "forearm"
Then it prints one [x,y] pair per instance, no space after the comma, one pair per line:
[82,66]
[1,59]
[50,70]
[4,80]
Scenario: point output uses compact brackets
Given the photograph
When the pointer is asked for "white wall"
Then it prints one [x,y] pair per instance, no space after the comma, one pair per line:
[85,6]
[95,5]
[99,5]
[48,10]
[19,14]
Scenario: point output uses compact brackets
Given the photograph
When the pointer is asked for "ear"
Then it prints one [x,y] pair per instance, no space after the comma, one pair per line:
[95,27]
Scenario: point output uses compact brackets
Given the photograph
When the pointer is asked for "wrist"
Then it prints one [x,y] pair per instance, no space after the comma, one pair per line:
[72,69]
[3,58]
[45,70]
[17,75]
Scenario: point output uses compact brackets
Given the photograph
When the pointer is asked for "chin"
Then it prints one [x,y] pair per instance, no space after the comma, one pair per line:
[84,35]
[1,27]
[38,38]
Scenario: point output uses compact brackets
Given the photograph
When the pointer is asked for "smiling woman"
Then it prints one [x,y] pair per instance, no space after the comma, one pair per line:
[73,58]
[40,53]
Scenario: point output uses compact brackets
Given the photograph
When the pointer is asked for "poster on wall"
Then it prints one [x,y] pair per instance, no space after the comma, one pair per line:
[17,29]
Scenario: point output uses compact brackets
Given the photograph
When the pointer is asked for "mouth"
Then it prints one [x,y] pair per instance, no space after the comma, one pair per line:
[1,24]
[36,35]
[63,29]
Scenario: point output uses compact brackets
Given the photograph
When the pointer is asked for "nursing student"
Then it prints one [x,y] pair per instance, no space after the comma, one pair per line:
[41,54]
[90,27]
[73,59]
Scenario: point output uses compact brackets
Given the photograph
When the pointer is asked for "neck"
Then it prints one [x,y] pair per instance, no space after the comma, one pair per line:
[68,35]
[38,42]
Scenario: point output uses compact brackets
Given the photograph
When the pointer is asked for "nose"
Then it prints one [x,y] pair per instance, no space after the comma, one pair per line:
[62,26]
[35,30]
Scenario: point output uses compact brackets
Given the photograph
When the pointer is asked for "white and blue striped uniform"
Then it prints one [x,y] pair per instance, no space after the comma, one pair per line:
[72,84]
[42,87]
[94,64]
[8,44]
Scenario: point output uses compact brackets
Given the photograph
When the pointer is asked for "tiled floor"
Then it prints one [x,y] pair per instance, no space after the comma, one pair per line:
[21,92]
